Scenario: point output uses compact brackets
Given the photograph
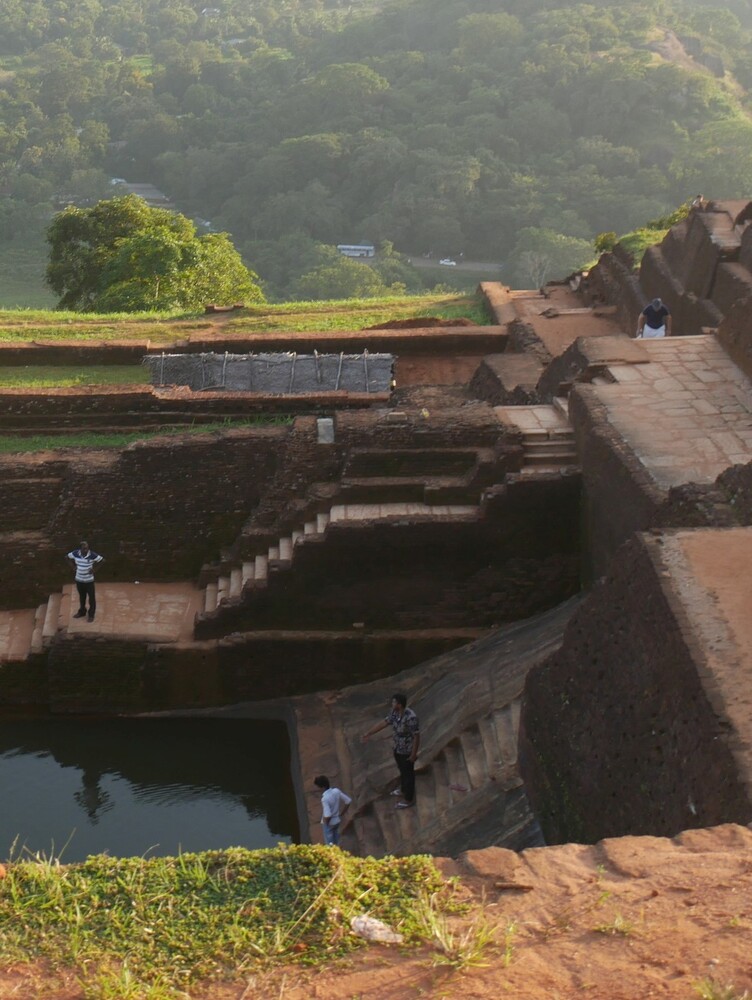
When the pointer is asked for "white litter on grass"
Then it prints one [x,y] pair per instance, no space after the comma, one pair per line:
[374,930]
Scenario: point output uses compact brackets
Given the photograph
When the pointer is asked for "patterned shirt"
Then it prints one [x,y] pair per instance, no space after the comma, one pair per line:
[405,728]
[84,563]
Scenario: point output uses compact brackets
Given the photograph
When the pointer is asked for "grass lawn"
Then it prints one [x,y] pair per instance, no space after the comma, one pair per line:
[21,326]
[13,444]
[149,927]
[63,376]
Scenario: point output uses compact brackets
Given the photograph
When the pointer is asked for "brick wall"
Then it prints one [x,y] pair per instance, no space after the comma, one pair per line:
[618,733]
[85,674]
[156,510]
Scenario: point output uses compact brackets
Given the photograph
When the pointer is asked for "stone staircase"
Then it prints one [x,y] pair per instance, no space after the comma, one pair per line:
[547,438]
[239,577]
[468,789]
[376,485]
[472,776]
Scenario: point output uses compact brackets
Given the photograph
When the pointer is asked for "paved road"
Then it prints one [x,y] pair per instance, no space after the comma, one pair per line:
[462,265]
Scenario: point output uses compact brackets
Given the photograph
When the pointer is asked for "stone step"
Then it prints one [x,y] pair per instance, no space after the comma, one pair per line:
[296,536]
[236,581]
[273,554]
[285,549]
[369,835]
[322,520]
[51,618]
[506,722]
[16,631]
[475,758]
[561,404]
[459,779]
[248,572]
[385,810]
[491,749]
[376,511]
[223,589]
[261,569]
[309,528]
[37,643]
[210,597]
[548,447]
[559,457]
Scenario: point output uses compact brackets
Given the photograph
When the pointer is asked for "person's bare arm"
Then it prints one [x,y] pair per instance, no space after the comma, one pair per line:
[416,747]
[668,325]
[374,729]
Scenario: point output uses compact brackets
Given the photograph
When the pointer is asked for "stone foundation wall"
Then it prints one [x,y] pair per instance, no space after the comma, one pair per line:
[82,674]
[155,510]
[618,495]
[618,733]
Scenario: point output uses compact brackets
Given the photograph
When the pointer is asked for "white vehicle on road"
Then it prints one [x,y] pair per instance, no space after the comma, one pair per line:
[448,262]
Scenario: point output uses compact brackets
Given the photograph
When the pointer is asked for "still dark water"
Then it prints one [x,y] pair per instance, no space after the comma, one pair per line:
[144,786]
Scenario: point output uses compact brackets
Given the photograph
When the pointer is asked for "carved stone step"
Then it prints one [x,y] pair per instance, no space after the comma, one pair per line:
[261,568]
[210,598]
[52,613]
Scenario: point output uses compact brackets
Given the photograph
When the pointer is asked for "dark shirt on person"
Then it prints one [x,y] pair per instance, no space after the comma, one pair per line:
[655,318]
[405,729]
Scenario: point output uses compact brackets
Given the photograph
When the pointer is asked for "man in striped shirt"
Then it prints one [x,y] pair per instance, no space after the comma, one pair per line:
[85,560]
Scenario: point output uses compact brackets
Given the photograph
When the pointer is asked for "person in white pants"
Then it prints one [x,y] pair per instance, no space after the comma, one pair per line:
[655,321]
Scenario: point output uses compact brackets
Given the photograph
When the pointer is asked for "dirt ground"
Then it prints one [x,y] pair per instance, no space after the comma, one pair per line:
[626,919]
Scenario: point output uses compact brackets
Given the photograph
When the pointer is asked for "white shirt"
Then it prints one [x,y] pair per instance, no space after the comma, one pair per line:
[332,803]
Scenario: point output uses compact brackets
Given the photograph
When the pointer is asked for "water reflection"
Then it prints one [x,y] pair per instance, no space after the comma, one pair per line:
[144,785]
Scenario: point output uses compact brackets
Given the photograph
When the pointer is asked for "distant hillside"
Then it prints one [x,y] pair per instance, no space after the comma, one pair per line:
[509,132]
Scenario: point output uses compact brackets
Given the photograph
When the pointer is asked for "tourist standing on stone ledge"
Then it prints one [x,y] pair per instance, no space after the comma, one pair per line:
[85,560]
[406,743]
[334,805]
[655,321]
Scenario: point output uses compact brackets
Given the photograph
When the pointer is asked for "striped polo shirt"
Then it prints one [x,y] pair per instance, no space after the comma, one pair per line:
[84,572]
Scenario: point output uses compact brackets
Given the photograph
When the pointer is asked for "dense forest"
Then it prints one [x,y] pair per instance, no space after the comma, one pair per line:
[510,131]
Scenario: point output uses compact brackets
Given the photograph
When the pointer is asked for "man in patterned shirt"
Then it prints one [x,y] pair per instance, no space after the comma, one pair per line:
[406,743]
[85,560]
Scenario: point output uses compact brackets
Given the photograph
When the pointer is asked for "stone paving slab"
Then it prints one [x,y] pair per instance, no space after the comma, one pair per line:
[532,418]
[687,415]
[156,612]
[373,511]
[15,634]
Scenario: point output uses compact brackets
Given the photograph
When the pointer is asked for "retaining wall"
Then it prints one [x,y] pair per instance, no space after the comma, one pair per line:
[622,732]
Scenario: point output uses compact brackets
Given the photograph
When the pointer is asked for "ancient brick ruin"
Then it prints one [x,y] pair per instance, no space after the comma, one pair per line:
[543,505]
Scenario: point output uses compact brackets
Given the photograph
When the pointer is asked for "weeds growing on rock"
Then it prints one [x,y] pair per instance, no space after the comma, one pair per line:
[619,925]
[464,948]
[709,989]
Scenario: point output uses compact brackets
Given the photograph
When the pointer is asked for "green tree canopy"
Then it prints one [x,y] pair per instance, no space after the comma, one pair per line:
[123,256]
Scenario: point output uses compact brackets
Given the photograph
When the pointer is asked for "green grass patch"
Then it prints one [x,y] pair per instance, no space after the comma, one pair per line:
[65,376]
[356,314]
[11,444]
[164,329]
[637,242]
[168,922]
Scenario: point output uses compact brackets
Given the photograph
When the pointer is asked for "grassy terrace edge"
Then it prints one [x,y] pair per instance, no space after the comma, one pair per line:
[150,927]
[163,328]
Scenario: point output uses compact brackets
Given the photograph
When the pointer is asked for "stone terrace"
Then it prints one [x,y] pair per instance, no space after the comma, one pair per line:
[687,415]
